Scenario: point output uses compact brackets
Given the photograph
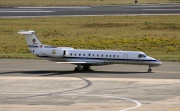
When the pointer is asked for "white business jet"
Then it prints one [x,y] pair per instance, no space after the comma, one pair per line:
[86,58]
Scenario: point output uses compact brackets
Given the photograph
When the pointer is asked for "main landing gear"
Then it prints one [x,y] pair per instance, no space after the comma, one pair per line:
[149,70]
[80,68]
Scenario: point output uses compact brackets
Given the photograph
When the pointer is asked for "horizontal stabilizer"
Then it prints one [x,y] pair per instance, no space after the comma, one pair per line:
[26,32]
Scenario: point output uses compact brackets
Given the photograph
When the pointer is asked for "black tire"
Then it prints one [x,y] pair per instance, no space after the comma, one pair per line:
[76,69]
[86,68]
[149,70]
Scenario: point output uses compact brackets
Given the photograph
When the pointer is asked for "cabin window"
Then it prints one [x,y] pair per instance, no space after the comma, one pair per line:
[109,55]
[102,55]
[89,54]
[75,54]
[117,55]
[114,56]
[106,55]
[93,55]
[79,54]
[70,54]
[97,55]
[84,54]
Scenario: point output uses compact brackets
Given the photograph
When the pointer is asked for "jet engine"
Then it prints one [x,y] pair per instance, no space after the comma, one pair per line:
[53,52]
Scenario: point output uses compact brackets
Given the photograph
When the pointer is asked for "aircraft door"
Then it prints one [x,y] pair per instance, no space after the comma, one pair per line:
[64,53]
[125,57]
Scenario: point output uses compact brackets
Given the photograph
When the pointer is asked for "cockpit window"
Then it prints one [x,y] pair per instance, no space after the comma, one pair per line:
[142,55]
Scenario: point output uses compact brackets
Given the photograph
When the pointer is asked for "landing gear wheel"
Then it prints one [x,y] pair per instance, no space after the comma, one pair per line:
[86,68]
[149,70]
[78,68]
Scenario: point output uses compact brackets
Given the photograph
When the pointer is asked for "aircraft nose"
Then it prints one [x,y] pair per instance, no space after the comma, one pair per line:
[159,63]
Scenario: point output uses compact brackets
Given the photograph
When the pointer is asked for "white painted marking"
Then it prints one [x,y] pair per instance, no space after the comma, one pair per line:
[138,104]
[17,9]
[21,93]
[153,6]
[110,15]
[23,11]
[159,14]
[162,9]
[57,7]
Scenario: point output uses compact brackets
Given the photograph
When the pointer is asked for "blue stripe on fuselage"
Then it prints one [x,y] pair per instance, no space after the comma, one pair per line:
[138,60]
[135,60]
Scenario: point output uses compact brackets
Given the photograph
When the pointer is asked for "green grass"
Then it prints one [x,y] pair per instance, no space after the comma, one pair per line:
[77,2]
[157,36]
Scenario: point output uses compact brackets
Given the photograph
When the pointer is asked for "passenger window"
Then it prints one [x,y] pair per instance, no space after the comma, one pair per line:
[79,54]
[114,56]
[70,54]
[83,54]
[74,54]
[109,55]
[106,55]
[102,55]
[97,55]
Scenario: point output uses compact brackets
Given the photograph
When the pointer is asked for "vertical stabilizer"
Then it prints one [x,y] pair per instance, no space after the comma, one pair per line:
[31,39]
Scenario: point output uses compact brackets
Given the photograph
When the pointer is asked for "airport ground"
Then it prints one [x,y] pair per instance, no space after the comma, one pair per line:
[38,85]
[28,85]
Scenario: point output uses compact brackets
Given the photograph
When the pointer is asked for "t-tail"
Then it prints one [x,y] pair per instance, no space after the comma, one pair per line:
[39,49]
[34,44]
[32,40]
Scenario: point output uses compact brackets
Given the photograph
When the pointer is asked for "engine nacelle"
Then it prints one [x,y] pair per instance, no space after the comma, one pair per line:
[53,52]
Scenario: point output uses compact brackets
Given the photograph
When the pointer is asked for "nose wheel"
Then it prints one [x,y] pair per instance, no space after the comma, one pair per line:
[149,70]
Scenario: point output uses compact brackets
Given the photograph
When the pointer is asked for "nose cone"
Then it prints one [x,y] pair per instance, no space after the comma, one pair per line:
[155,62]
[159,63]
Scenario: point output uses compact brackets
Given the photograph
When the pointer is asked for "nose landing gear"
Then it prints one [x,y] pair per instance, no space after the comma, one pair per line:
[149,70]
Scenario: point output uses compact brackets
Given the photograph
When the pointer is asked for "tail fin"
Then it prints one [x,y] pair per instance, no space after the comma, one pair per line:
[31,39]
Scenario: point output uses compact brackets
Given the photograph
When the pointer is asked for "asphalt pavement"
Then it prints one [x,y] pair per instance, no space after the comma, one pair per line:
[116,10]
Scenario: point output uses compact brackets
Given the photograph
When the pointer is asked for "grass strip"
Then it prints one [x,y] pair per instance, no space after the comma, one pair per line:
[157,36]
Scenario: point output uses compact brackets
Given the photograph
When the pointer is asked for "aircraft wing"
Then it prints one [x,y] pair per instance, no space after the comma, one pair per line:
[88,62]
[71,62]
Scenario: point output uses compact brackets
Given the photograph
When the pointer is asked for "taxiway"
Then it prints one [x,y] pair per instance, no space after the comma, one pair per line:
[28,85]
[112,10]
